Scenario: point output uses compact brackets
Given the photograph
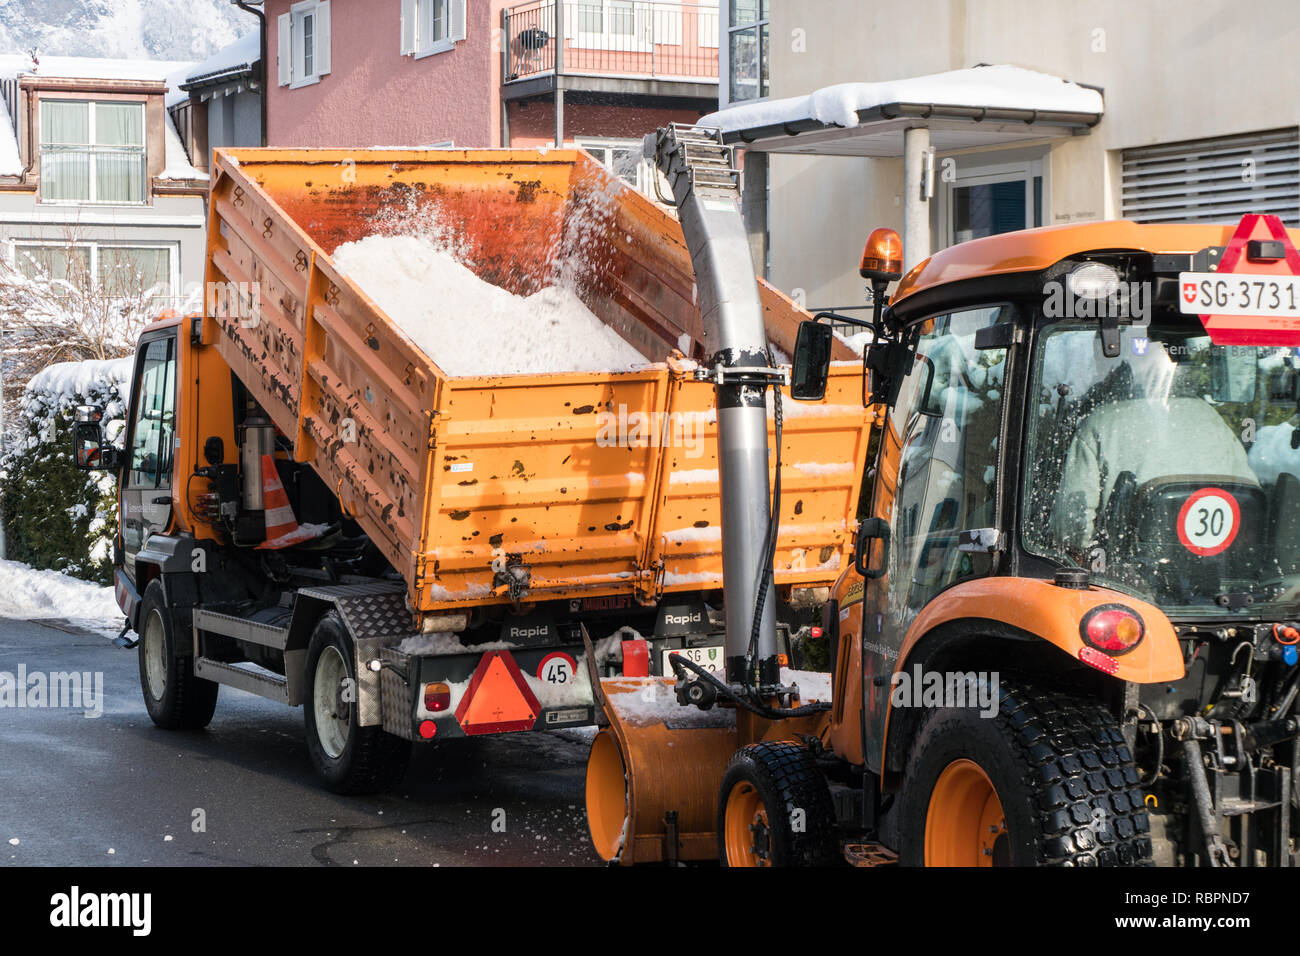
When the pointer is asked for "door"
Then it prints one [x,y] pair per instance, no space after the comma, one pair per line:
[622,26]
[936,486]
[150,446]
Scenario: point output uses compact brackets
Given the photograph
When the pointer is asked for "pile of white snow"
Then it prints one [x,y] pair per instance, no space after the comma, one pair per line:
[992,87]
[27,593]
[469,326]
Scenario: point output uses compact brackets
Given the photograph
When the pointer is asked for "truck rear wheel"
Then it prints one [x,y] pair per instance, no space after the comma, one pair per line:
[349,758]
[1048,781]
[173,696]
[774,809]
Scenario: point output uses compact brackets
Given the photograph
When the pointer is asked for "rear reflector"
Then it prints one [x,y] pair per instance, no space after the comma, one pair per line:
[498,699]
[1095,658]
[636,658]
[427,729]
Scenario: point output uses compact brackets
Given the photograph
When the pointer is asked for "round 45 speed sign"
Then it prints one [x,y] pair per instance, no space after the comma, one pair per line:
[1209,521]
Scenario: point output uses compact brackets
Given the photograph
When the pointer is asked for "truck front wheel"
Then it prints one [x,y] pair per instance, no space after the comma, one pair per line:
[1046,781]
[173,696]
[349,758]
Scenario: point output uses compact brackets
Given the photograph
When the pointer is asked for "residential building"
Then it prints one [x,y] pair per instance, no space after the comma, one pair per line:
[224,102]
[480,73]
[94,180]
[1193,138]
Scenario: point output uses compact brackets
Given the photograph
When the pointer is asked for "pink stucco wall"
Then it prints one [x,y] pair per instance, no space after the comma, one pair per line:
[374,96]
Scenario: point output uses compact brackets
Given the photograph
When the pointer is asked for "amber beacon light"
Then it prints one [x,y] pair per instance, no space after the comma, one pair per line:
[882,258]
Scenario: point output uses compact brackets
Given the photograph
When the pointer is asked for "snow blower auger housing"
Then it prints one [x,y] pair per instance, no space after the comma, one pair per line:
[1070,634]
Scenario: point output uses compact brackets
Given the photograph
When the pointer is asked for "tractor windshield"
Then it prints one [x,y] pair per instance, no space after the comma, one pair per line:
[1171,471]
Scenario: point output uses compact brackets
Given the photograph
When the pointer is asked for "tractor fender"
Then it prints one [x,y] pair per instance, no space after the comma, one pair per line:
[1033,609]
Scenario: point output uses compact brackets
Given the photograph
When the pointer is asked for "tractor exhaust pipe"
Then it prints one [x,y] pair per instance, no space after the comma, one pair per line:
[706,192]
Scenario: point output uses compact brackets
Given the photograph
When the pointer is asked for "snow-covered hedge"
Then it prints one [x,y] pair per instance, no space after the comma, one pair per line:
[56,516]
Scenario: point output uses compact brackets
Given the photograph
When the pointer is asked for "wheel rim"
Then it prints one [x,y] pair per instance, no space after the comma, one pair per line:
[332,712]
[155,655]
[747,832]
[965,825]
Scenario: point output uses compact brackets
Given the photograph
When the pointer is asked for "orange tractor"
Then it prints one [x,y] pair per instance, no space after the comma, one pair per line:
[1069,635]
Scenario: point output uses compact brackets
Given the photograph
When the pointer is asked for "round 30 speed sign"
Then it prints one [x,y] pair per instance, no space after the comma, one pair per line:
[1209,521]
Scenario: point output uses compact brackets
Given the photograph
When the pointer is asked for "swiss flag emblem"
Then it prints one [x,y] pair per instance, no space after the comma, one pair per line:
[1189,292]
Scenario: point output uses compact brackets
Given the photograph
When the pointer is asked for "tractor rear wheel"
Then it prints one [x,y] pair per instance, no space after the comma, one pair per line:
[1047,781]
[774,809]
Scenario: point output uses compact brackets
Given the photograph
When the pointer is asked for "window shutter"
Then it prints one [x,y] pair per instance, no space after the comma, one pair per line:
[322,61]
[1214,180]
[284,57]
[456,16]
[408,27]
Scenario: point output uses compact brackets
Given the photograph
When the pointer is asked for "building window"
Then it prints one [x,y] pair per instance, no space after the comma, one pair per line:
[303,35]
[624,159]
[1213,180]
[990,199]
[431,26]
[139,274]
[747,50]
[92,152]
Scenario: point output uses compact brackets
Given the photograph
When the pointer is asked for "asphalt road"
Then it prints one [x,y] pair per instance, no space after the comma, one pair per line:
[115,790]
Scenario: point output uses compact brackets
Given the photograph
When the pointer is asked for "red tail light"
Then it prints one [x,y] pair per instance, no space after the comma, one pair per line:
[437,697]
[1112,629]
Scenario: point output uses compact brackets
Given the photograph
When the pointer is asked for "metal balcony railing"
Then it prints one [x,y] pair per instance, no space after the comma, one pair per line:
[633,38]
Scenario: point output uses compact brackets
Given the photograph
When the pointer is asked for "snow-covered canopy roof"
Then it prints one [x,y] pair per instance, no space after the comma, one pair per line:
[230,62]
[983,105]
[172,72]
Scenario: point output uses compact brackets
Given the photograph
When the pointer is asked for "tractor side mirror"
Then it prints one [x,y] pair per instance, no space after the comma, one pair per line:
[811,362]
[87,446]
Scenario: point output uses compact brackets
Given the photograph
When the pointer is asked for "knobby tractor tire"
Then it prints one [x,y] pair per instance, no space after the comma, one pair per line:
[1049,781]
[774,809]
[173,696]
[348,757]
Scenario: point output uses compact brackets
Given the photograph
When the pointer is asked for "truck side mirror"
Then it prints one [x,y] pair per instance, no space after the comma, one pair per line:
[811,362]
[87,446]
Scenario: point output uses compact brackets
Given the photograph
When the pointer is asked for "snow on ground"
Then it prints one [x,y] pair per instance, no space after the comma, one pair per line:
[813,685]
[995,87]
[27,594]
[471,327]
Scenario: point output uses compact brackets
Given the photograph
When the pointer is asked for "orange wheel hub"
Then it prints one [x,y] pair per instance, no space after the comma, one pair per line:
[965,825]
[746,831]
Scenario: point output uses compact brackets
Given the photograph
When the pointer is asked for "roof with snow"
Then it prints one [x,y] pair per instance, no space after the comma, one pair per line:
[983,105]
[234,62]
[172,72]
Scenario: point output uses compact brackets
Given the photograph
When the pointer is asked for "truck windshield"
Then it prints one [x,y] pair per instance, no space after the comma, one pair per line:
[1171,471]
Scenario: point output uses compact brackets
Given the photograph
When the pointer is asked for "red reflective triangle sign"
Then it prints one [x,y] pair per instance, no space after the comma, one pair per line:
[1242,286]
[499,699]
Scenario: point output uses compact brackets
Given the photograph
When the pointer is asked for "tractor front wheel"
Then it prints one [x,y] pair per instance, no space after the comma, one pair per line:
[774,809]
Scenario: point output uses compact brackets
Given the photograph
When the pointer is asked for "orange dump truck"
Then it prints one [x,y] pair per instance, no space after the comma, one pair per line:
[314,511]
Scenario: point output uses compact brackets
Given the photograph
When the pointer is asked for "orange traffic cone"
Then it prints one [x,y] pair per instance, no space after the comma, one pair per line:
[282,528]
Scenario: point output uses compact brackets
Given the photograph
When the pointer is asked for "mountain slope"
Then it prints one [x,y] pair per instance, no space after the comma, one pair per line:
[136,29]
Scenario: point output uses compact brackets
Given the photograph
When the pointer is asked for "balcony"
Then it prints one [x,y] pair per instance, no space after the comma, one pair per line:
[659,48]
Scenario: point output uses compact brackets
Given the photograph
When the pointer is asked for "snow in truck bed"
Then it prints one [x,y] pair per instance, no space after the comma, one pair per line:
[469,326]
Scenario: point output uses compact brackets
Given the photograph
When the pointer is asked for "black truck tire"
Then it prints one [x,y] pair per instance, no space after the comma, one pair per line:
[173,696]
[774,809]
[348,757]
[1048,781]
